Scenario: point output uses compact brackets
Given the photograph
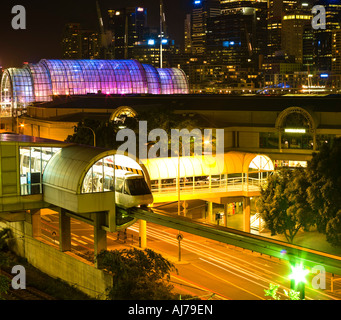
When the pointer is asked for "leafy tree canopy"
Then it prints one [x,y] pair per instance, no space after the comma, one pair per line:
[137,274]
[283,205]
[324,191]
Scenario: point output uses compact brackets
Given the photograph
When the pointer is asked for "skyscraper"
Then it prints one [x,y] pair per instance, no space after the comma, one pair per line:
[324,37]
[293,27]
[276,10]
[78,43]
[128,27]
[238,36]
[188,34]
[202,11]
[336,58]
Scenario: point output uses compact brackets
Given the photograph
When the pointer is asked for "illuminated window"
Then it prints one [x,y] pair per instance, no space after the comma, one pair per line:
[33,161]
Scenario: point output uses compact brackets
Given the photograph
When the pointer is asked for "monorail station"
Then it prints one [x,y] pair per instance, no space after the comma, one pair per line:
[75,181]
[99,187]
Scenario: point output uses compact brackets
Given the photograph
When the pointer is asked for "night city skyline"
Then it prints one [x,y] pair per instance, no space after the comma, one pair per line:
[45,23]
[179,163]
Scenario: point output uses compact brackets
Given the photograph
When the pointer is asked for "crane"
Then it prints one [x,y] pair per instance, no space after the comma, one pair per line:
[105,35]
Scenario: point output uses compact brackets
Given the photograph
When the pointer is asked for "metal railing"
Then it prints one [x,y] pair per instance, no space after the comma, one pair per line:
[229,184]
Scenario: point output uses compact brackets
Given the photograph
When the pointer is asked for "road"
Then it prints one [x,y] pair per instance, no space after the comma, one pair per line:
[207,269]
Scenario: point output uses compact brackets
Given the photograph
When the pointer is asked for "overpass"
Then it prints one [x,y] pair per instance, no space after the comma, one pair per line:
[233,174]
[275,248]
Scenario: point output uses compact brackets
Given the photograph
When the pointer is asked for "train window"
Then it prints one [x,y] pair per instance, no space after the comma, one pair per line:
[137,187]
[119,184]
[33,161]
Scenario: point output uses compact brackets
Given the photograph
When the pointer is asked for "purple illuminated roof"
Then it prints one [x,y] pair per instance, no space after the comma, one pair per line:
[40,82]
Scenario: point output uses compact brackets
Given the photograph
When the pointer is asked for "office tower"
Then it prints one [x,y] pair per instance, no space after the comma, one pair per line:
[188,34]
[276,10]
[324,38]
[293,27]
[336,51]
[78,43]
[336,58]
[202,11]
[308,45]
[127,26]
[238,36]
[148,49]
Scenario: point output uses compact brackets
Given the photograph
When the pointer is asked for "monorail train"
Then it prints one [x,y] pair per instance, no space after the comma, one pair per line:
[132,190]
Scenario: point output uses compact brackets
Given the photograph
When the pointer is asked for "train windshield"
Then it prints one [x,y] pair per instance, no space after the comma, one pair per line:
[137,187]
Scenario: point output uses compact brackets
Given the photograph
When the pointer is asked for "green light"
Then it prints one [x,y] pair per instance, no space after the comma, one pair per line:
[298,274]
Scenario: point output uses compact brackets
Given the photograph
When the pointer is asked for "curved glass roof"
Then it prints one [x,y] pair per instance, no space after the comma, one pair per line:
[40,82]
[69,169]
[197,166]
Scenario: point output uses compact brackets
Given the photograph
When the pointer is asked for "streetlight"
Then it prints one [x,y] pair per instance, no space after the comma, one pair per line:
[298,280]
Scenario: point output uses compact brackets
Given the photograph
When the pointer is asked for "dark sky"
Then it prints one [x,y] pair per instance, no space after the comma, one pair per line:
[46,19]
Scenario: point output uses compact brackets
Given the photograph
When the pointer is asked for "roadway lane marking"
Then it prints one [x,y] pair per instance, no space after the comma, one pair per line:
[224,280]
[200,287]
[210,249]
[86,238]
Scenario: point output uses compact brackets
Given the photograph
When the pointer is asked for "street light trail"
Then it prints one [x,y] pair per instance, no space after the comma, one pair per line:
[241,265]
[172,241]
[230,283]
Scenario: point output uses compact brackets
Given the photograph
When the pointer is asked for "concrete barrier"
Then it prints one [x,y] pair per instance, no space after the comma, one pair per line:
[63,265]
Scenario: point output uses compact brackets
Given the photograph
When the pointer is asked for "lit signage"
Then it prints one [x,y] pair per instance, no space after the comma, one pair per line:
[295,130]
[197,2]
[151,42]
[140,9]
[324,75]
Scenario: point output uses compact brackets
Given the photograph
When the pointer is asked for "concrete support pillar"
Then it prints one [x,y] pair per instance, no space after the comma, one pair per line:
[225,213]
[100,235]
[210,211]
[246,214]
[185,207]
[143,234]
[64,231]
[33,224]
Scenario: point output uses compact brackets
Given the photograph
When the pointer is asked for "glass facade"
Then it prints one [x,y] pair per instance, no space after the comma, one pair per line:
[17,86]
[33,161]
[173,81]
[40,82]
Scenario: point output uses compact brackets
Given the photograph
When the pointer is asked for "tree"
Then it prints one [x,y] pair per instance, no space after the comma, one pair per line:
[272,292]
[137,274]
[283,205]
[105,133]
[324,191]
[333,230]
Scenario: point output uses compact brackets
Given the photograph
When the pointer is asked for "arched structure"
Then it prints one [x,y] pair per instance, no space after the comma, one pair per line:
[121,112]
[81,180]
[296,128]
[296,110]
[235,171]
[200,166]
[40,82]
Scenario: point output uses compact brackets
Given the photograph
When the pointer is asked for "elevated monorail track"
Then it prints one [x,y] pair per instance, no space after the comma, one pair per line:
[274,248]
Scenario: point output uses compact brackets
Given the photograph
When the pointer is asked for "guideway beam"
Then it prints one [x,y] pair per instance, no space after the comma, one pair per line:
[271,247]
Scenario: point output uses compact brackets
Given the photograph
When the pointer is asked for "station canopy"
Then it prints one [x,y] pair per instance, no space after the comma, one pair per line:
[199,166]
[68,169]
[40,82]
